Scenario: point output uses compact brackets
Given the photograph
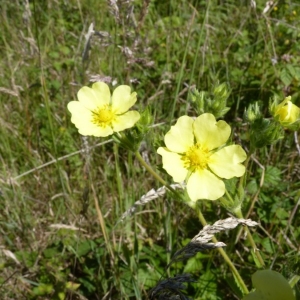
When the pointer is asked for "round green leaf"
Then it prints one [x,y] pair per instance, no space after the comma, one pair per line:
[270,285]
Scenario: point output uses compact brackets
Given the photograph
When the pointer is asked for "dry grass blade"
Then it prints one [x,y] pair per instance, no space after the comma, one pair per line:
[9,254]
[114,9]
[59,159]
[208,231]
[8,91]
[87,45]
[200,242]
[64,226]
[151,195]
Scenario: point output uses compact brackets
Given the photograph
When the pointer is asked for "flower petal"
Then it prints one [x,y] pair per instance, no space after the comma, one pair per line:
[283,103]
[80,114]
[122,99]
[226,163]
[102,93]
[82,118]
[95,130]
[97,96]
[211,133]
[289,113]
[173,164]
[205,185]
[180,137]
[125,121]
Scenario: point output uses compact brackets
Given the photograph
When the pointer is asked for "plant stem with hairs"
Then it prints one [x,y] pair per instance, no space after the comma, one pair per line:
[235,272]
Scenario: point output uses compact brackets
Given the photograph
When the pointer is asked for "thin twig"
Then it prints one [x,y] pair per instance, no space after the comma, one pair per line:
[59,159]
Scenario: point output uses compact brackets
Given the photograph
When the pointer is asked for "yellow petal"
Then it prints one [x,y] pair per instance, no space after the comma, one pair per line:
[283,103]
[95,130]
[209,132]
[173,164]
[180,137]
[76,108]
[95,97]
[205,185]
[122,99]
[125,121]
[102,93]
[289,113]
[80,114]
[226,163]
[82,119]
[295,113]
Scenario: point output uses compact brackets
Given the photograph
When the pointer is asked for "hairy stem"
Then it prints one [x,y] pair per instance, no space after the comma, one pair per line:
[238,213]
[154,174]
[235,272]
[233,269]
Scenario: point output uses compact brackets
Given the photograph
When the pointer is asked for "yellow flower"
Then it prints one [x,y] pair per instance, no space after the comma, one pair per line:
[286,112]
[193,153]
[98,113]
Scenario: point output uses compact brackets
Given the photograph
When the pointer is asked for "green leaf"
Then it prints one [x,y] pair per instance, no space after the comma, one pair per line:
[285,77]
[43,289]
[270,285]
[84,248]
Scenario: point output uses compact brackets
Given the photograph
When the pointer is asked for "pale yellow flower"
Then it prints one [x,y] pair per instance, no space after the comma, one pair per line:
[98,113]
[193,153]
[286,112]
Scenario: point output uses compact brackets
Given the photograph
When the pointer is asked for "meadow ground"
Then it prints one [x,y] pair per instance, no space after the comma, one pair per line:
[62,194]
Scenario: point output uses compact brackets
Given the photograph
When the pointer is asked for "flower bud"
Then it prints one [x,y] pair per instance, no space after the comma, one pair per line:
[286,113]
[213,102]
[252,113]
[264,132]
[145,121]
[221,91]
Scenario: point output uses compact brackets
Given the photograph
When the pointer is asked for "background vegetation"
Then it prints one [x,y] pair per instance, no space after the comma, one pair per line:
[51,244]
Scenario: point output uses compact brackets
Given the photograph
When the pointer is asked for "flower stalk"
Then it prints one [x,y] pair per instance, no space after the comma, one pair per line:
[154,174]
[239,214]
[233,269]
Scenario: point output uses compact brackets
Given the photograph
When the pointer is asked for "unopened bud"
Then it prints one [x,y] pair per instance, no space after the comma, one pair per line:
[252,113]
[286,113]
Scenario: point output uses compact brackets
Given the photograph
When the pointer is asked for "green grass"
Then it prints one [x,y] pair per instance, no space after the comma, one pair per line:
[174,44]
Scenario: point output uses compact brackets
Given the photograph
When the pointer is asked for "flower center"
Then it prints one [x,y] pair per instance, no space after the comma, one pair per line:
[196,158]
[103,116]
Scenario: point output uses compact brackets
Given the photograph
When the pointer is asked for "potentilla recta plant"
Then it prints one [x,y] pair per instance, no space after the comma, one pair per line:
[197,152]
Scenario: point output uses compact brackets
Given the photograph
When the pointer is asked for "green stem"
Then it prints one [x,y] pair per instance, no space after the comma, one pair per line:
[238,213]
[154,174]
[203,222]
[243,178]
[242,181]
[233,269]
[229,196]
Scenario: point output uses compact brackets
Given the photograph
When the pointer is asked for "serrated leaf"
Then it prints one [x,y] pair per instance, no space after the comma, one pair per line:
[297,73]
[256,260]
[70,285]
[285,77]
[267,245]
[193,265]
